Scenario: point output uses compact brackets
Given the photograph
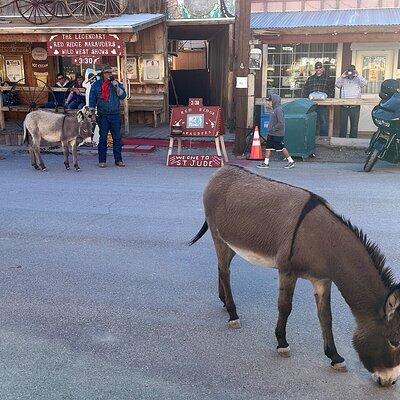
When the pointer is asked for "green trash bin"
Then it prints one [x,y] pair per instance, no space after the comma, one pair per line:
[300,125]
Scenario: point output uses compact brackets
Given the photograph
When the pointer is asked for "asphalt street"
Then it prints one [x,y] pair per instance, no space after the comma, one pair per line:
[102,298]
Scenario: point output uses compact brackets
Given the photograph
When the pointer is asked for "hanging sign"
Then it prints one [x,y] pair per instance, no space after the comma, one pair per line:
[12,47]
[85,48]
[40,62]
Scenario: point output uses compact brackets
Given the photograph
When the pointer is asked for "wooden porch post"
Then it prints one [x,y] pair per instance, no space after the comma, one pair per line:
[125,83]
[241,69]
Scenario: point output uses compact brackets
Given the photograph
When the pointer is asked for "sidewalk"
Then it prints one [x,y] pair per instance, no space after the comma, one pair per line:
[323,153]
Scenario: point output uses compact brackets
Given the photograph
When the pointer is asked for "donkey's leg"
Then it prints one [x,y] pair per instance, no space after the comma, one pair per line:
[75,154]
[224,256]
[66,154]
[33,158]
[287,283]
[36,150]
[322,294]
[221,290]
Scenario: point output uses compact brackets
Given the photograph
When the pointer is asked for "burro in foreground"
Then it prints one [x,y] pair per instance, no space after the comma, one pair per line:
[277,225]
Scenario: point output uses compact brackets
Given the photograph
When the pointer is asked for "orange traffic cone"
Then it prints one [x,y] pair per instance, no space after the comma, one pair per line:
[256,150]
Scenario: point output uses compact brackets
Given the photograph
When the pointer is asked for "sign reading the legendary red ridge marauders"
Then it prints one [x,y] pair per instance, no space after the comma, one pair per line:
[85,46]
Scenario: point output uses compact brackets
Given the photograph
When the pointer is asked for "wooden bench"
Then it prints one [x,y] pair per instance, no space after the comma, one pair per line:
[147,102]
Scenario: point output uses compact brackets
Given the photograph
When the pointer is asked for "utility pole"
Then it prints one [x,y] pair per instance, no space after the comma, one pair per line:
[241,70]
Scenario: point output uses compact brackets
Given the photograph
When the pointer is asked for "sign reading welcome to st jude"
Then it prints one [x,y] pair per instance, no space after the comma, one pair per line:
[85,48]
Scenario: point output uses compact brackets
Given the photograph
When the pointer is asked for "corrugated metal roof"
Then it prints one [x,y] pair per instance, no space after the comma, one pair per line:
[134,21]
[325,18]
[127,23]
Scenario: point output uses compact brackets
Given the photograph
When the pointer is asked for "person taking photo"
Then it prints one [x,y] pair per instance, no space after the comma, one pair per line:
[350,84]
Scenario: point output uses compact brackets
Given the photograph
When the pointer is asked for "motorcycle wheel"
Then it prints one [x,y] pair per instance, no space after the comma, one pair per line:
[371,160]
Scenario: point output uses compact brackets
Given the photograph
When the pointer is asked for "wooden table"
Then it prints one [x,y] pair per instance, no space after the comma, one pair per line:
[331,103]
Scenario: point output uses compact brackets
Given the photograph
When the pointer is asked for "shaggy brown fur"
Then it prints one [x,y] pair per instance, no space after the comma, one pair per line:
[275,224]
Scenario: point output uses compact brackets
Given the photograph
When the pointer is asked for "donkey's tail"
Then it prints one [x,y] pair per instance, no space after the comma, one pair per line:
[26,134]
[201,232]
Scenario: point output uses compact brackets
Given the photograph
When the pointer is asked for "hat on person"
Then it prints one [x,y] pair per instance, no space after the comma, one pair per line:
[107,68]
[318,64]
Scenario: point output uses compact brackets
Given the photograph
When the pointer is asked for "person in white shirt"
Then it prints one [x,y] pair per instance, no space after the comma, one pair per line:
[350,84]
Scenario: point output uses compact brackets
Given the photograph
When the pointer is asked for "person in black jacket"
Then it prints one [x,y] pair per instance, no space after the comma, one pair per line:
[320,82]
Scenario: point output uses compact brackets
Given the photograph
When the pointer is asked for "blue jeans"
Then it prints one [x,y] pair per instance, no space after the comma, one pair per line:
[322,118]
[109,123]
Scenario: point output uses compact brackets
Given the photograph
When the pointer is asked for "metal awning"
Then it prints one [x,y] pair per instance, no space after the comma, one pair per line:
[383,17]
[126,23]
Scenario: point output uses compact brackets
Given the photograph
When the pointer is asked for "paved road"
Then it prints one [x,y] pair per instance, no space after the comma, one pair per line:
[101,298]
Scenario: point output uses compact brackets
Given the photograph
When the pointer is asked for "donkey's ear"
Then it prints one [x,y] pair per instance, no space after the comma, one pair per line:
[392,303]
[79,116]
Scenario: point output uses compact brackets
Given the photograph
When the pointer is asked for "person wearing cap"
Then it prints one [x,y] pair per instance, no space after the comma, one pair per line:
[106,94]
[350,84]
[320,82]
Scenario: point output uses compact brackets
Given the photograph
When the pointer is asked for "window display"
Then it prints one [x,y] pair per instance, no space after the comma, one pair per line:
[289,65]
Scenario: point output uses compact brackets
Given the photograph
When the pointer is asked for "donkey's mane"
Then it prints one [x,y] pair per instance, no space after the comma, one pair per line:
[374,252]
[378,259]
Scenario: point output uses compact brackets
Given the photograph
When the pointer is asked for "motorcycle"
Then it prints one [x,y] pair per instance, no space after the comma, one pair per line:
[385,143]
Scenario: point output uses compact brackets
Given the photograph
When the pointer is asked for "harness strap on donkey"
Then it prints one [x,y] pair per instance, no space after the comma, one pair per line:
[311,203]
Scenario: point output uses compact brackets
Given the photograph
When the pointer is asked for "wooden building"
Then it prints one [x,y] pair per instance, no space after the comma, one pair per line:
[151,66]
[210,74]
[26,63]
[293,35]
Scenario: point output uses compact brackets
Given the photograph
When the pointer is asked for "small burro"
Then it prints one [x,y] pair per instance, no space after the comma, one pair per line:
[291,229]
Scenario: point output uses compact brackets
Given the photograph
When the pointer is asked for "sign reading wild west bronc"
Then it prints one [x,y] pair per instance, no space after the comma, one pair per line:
[85,48]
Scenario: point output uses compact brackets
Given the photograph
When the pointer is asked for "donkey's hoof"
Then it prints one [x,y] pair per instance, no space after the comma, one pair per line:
[284,351]
[234,324]
[340,367]
[43,169]
[77,169]
[36,167]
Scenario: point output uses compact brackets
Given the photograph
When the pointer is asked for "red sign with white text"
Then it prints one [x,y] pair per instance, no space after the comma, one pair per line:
[85,47]
[198,120]
[195,161]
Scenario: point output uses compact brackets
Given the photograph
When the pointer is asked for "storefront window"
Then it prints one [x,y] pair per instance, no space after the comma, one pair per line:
[290,65]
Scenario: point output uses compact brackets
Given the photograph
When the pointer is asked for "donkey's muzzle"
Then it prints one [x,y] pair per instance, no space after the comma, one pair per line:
[386,383]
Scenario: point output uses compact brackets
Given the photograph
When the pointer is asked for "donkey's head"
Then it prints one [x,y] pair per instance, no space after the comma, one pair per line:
[377,341]
[85,121]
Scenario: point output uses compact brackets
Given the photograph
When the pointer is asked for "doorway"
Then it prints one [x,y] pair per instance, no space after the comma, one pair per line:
[375,65]
[213,63]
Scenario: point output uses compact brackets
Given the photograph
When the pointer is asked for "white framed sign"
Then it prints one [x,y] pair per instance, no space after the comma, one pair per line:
[132,73]
[153,68]
[14,69]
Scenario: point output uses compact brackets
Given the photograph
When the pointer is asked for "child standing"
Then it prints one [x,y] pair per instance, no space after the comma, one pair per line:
[276,133]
